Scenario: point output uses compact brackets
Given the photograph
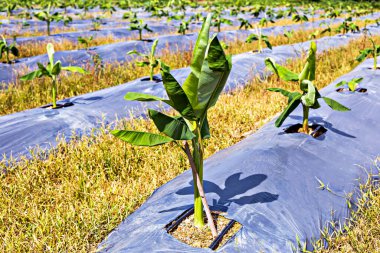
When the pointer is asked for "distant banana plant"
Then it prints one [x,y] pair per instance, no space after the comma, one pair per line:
[218,20]
[210,69]
[149,59]
[352,84]
[313,35]
[309,96]
[47,17]
[289,34]
[85,41]
[183,27]
[244,23]
[328,29]
[140,26]
[374,51]
[8,49]
[52,70]
[265,21]
[260,38]
[300,18]
[347,26]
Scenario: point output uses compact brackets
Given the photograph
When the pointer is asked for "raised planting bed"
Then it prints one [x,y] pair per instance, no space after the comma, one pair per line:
[282,188]
[27,129]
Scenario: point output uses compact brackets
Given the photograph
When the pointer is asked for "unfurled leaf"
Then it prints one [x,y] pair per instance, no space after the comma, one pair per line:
[335,105]
[280,71]
[288,110]
[31,75]
[141,138]
[177,96]
[75,69]
[175,128]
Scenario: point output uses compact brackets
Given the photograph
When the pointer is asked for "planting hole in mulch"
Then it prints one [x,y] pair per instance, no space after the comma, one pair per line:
[10,62]
[372,68]
[315,130]
[183,229]
[155,79]
[360,90]
[59,106]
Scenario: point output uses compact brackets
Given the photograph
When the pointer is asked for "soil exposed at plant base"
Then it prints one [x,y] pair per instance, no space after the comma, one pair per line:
[187,233]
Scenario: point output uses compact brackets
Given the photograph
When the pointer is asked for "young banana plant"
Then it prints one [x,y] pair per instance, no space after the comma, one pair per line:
[219,20]
[8,49]
[47,17]
[327,29]
[85,41]
[300,18]
[352,84]
[52,70]
[348,26]
[260,38]
[265,21]
[289,34]
[210,68]
[374,52]
[309,96]
[183,27]
[313,35]
[149,59]
[138,25]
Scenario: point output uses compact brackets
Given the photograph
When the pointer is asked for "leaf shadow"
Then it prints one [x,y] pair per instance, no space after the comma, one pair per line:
[233,187]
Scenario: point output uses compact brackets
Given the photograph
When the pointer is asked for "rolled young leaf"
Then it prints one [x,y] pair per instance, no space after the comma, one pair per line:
[308,71]
[252,37]
[190,85]
[308,99]
[32,75]
[135,96]
[154,46]
[141,138]
[50,51]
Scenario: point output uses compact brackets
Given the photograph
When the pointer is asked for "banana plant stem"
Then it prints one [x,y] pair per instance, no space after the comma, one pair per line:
[305,124]
[201,191]
[54,93]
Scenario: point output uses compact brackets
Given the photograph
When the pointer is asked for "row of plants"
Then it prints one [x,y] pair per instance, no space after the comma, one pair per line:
[346,26]
[181,5]
[90,175]
[270,13]
[20,96]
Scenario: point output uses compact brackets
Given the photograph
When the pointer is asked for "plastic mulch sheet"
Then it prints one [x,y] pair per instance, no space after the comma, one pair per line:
[269,181]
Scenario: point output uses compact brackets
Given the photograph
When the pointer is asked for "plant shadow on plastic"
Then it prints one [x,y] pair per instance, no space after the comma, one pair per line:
[233,186]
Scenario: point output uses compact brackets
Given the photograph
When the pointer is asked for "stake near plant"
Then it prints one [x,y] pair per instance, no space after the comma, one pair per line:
[210,69]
